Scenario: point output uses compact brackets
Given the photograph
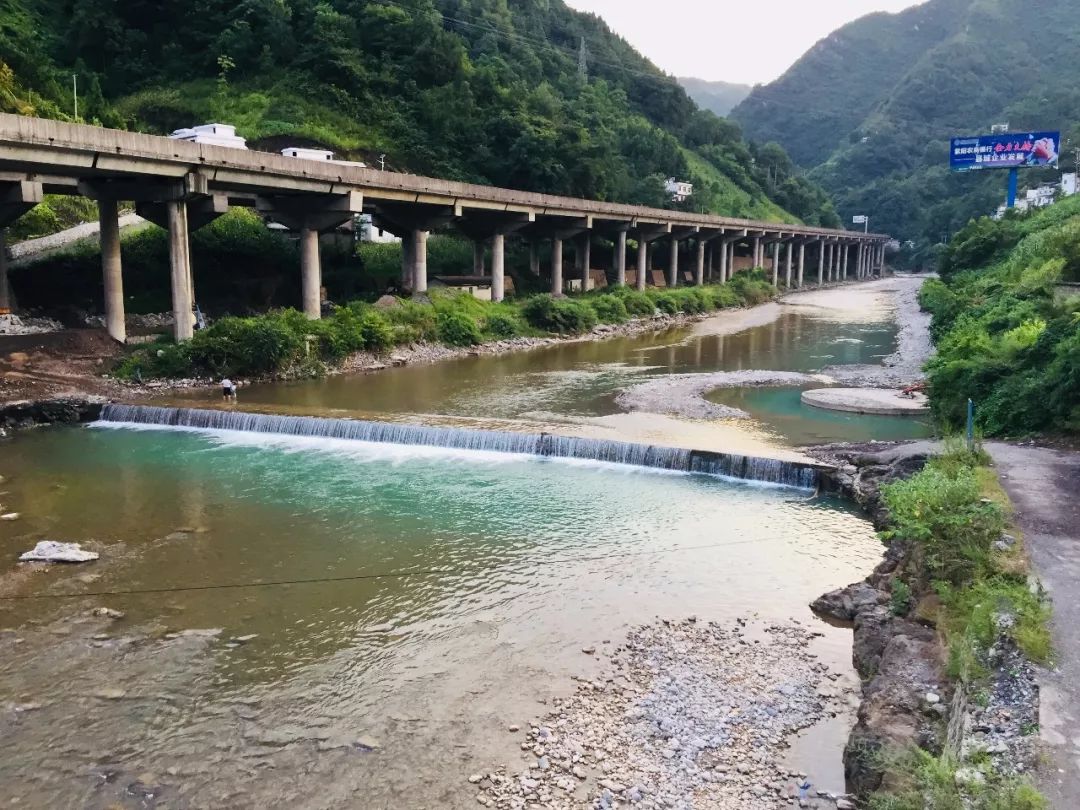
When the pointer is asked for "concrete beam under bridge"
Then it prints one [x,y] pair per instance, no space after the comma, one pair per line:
[310,215]
[558,229]
[413,223]
[482,225]
[645,233]
[159,201]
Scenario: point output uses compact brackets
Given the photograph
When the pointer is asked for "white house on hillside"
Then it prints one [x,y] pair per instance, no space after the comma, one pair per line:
[304,153]
[368,232]
[678,190]
[1042,196]
[213,134]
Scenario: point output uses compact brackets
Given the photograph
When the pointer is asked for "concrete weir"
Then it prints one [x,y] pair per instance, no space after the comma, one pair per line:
[727,465]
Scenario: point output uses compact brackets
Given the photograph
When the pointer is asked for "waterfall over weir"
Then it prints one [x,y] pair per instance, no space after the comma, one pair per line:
[772,471]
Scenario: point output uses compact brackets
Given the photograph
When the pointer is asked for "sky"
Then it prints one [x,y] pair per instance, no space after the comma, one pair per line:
[709,39]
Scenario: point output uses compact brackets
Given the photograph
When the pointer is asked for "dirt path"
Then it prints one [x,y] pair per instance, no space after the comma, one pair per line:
[1044,484]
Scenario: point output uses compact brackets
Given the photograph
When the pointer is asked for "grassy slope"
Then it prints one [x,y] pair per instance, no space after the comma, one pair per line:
[734,200]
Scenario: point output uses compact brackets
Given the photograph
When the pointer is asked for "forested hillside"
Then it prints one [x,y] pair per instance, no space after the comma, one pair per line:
[487,91]
[717,97]
[1007,330]
[870,109]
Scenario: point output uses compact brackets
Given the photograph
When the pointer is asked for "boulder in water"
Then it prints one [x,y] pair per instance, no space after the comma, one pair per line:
[55,551]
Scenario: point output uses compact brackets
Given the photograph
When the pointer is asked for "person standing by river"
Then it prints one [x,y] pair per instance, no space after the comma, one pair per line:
[228,389]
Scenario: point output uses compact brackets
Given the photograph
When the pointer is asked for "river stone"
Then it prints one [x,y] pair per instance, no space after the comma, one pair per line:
[55,551]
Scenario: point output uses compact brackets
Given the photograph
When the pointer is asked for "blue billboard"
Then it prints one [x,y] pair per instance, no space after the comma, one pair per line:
[1008,151]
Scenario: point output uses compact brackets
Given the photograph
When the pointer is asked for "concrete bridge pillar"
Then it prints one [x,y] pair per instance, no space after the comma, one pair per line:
[642,263]
[620,257]
[776,264]
[498,267]
[673,263]
[583,258]
[418,254]
[6,304]
[759,259]
[534,257]
[787,269]
[479,265]
[180,270]
[837,250]
[847,260]
[310,272]
[821,262]
[556,266]
[699,268]
[111,269]
[802,263]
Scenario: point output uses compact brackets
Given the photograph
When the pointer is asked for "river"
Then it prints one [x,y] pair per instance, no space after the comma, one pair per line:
[437,596]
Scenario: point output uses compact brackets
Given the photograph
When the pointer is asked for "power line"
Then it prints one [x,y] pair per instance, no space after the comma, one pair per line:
[351,577]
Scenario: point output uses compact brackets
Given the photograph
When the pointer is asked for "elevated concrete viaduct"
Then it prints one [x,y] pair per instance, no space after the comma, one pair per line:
[183,185]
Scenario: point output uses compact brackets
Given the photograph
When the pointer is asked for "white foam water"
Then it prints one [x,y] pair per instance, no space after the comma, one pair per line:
[487,443]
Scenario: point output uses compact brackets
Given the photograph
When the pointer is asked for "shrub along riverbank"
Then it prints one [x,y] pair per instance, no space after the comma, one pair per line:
[1007,334]
[956,572]
[284,342]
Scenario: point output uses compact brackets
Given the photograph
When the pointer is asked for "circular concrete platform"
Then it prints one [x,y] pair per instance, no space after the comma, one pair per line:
[866,400]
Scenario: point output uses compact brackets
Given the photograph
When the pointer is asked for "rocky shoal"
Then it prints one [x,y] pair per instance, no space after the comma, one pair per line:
[687,715]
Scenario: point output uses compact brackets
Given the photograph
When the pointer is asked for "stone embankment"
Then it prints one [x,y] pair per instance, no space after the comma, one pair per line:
[61,410]
[907,699]
[688,714]
[898,659]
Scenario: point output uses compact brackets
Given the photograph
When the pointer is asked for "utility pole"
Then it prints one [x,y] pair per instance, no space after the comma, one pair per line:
[583,61]
[382,163]
[75,92]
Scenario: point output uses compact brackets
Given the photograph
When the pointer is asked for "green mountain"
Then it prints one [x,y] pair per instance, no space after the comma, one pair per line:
[871,108]
[488,91]
[717,97]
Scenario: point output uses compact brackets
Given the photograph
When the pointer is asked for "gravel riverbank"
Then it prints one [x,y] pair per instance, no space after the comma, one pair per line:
[688,714]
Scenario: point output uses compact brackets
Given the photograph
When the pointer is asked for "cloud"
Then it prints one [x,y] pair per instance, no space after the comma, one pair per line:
[746,42]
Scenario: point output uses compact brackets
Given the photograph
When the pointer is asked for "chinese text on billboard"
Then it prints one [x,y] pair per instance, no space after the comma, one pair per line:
[1008,151]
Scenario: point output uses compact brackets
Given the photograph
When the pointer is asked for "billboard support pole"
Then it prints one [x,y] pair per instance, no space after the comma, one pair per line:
[1014,175]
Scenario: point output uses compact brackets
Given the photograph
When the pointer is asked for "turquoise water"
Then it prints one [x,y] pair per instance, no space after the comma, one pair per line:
[785,415]
[466,586]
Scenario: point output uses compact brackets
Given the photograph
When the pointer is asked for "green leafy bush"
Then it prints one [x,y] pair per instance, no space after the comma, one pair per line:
[724,297]
[665,301]
[504,323]
[637,303]
[609,309]
[245,346]
[458,329]
[900,598]
[564,316]
[421,318]
[949,520]
[752,287]
[376,332]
